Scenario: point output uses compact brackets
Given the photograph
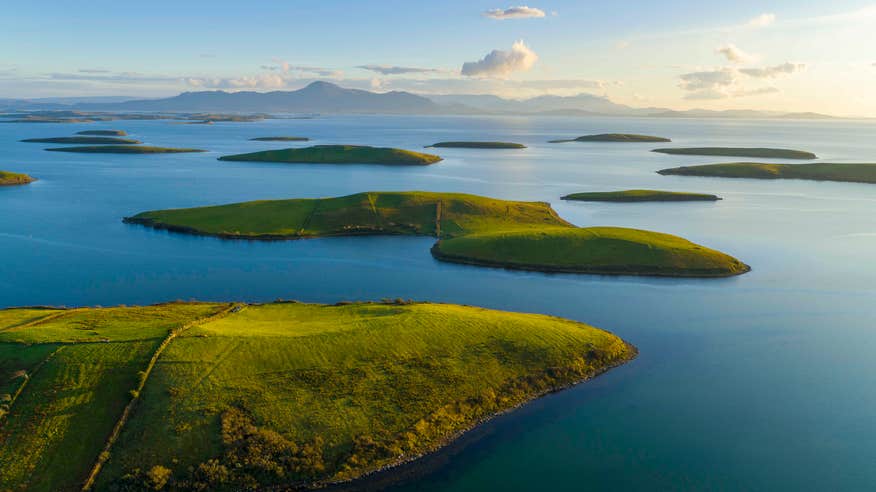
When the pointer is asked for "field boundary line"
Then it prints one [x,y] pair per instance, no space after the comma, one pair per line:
[27,378]
[34,322]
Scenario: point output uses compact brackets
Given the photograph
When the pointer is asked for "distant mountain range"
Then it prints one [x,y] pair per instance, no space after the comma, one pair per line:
[327,98]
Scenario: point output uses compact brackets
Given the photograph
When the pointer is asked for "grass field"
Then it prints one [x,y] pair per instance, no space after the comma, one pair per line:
[852,173]
[479,145]
[84,140]
[445,216]
[741,152]
[640,196]
[339,154]
[123,149]
[11,179]
[104,133]
[614,137]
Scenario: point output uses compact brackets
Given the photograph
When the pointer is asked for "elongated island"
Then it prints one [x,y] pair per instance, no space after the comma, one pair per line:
[478,145]
[104,133]
[470,229]
[84,140]
[13,179]
[741,152]
[280,139]
[339,154]
[123,149]
[230,396]
[823,171]
[614,137]
[641,196]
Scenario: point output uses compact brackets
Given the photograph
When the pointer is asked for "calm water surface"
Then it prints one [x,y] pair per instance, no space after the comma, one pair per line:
[759,382]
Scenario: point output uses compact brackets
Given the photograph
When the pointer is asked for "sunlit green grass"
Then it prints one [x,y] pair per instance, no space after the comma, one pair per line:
[741,152]
[338,154]
[9,178]
[614,137]
[853,173]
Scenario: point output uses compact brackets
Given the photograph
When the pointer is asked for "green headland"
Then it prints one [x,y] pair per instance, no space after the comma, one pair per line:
[12,179]
[470,229]
[741,152]
[641,196]
[83,140]
[339,154]
[479,145]
[280,139]
[104,133]
[614,137]
[852,173]
[123,149]
[196,397]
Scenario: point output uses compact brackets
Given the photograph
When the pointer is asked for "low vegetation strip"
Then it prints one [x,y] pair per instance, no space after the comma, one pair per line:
[13,179]
[614,137]
[523,226]
[850,173]
[83,140]
[339,154]
[741,152]
[280,139]
[479,145]
[123,149]
[104,133]
[640,196]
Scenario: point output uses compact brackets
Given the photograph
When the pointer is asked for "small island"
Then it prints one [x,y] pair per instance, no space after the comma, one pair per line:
[233,396]
[849,173]
[123,149]
[470,229]
[13,179]
[84,140]
[641,196]
[280,139]
[478,145]
[339,154]
[104,133]
[614,137]
[741,152]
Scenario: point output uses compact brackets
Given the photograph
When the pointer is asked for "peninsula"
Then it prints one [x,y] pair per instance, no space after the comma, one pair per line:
[123,149]
[614,137]
[478,145]
[641,196]
[339,154]
[84,140]
[741,152]
[470,229]
[823,171]
[12,179]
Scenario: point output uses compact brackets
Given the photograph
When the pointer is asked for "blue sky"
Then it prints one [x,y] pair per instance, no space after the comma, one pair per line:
[786,55]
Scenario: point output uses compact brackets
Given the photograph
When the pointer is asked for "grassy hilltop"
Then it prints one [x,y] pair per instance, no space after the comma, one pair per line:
[640,196]
[123,149]
[83,140]
[614,137]
[339,154]
[11,179]
[230,397]
[479,145]
[460,222]
[852,173]
[741,152]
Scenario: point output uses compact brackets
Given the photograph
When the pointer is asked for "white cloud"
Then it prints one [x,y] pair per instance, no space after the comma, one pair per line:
[522,12]
[734,54]
[724,83]
[262,81]
[393,70]
[711,80]
[500,63]
[762,20]
[775,71]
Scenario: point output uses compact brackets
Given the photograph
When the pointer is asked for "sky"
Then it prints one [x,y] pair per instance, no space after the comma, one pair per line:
[782,55]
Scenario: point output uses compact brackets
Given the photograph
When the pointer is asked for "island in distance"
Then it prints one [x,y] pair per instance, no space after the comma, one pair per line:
[123,149]
[470,229]
[84,140]
[280,139]
[339,154]
[8,178]
[822,171]
[104,133]
[478,145]
[614,137]
[740,152]
[641,196]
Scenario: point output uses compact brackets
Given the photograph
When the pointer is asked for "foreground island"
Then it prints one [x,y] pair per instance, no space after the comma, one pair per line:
[84,140]
[741,152]
[13,179]
[641,196]
[614,137]
[478,145]
[123,149]
[192,396]
[339,154]
[470,229]
[850,173]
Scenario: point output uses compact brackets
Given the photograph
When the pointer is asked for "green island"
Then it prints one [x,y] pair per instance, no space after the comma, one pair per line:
[104,133]
[823,171]
[123,149]
[614,137]
[339,154]
[280,139]
[470,229]
[741,152]
[12,179]
[230,396]
[478,145]
[84,140]
[641,196]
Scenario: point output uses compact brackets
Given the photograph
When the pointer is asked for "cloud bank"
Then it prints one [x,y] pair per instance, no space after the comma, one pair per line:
[734,54]
[501,64]
[773,72]
[393,70]
[522,12]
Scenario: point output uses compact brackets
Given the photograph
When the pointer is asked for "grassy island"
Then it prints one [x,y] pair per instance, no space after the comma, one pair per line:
[12,179]
[191,396]
[84,140]
[470,229]
[280,139]
[123,149]
[478,145]
[741,152]
[339,154]
[104,133]
[850,173]
[641,196]
[614,137]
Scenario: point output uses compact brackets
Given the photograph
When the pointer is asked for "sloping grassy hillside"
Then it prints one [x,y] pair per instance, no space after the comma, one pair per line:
[83,140]
[741,152]
[640,196]
[11,179]
[479,145]
[123,149]
[614,137]
[853,173]
[339,154]
[444,215]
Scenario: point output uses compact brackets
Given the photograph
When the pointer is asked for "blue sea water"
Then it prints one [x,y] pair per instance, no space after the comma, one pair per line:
[759,382]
